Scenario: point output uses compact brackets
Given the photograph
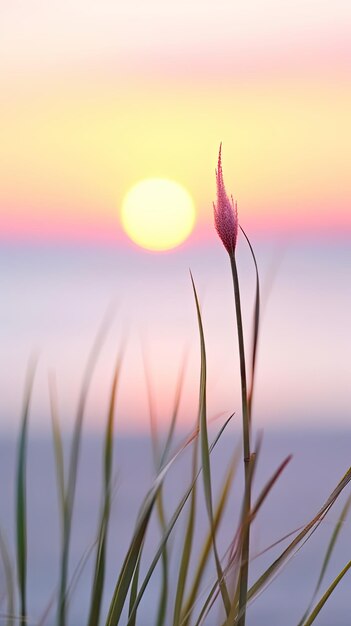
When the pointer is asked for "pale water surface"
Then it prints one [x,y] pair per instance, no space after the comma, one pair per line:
[320,459]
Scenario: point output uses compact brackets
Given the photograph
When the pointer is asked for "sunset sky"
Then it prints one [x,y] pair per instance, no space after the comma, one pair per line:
[96,96]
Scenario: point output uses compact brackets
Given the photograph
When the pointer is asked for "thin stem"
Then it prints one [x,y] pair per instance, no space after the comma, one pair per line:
[245,551]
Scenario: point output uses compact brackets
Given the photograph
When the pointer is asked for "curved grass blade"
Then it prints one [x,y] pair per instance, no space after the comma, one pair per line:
[234,614]
[134,591]
[205,456]
[100,560]
[328,555]
[187,545]
[73,465]
[173,520]
[256,326]
[162,608]
[235,547]
[21,503]
[58,448]
[289,551]
[73,583]
[5,557]
[132,556]
[246,434]
[161,614]
[205,552]
[175,413]
[231,619]
[275,566]
[245,521]
[235,553]
[152,412]
[326,595]
[212,596]
[160,508]
[159,462]
[268,487]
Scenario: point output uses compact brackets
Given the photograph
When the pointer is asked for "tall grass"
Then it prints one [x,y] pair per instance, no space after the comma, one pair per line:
[185,598]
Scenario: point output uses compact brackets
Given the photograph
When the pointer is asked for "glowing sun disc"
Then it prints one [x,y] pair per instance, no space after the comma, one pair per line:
[158,214]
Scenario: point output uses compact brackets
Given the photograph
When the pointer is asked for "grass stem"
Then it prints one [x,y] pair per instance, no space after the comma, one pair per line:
[245,550]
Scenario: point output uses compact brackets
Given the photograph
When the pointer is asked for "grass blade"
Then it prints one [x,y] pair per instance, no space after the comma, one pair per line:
[234,613]
[326,595]
[134,592]
[215,589]
[58,448]
[174,519]
[159,500]
[246,433]
[176,405]
[5,557]
[159,462]
[162,608]
[21,503]
[100,561]
[275,566]
[73,467]
[205,457]
[328,555]
[205,552]
[256,326]
[187,545]
[132,556]
[164,591]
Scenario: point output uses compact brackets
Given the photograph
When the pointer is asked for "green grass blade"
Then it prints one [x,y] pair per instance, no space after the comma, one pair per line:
[152,413]
[100,561]
[128,569]
[162,608]
[131,559]
[187,545]
[5,557]
[205,456]
[78,571]
[157,457]
[268,487]
[256,326]
[328,555]
[21,504]
[58,448]
[206,549]
[134,591]
[176,405]
[174,518]
[234,555]
[73,466]
[206,606]
[160,507]
[159,462]
[234,615]
[246,434]
[87,378]
[326,595]
[275,566]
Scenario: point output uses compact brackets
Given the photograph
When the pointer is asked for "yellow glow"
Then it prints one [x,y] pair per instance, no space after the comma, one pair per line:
[158,214]
[72,151]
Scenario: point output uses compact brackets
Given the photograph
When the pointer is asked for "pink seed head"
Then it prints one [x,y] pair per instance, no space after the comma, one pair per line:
[225,213]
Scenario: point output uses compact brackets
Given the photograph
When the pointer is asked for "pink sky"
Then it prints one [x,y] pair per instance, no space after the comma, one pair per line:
[97,96]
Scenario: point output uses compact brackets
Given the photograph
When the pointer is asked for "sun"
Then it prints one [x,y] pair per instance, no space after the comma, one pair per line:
[158,214]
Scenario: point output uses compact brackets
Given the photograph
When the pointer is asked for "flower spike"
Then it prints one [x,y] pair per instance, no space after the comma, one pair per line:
[225,213]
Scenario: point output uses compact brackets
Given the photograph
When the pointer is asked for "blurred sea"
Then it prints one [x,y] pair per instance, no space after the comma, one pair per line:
[53,300]
[319,461]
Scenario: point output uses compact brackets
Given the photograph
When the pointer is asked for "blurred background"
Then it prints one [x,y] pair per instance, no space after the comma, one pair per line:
[97,96]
